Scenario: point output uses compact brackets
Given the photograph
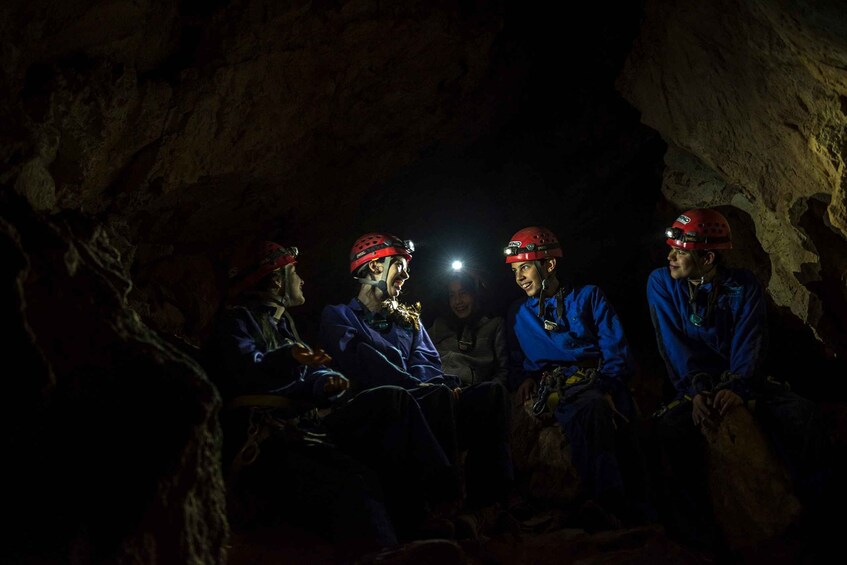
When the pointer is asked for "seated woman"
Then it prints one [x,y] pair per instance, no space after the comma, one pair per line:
[471,344]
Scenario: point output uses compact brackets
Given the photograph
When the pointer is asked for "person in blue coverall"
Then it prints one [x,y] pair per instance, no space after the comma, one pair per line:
[711,330]
[566,339]
[325,457]
[376,340]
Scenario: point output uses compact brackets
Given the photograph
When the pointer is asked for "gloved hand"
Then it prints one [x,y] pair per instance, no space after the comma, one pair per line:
[305,355]
[329,385]
[335,384]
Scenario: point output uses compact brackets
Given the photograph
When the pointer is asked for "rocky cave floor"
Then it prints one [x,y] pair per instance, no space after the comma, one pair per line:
[539,531]
[540,536]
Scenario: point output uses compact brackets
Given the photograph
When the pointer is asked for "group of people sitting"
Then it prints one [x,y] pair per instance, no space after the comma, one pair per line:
[388,431]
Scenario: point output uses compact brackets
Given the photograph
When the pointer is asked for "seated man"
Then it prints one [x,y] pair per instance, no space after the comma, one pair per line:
[711,330]
[346,471]
[568,339]
[375,340]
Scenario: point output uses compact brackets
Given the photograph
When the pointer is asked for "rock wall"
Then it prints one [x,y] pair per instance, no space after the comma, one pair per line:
[751,97]
[111,434]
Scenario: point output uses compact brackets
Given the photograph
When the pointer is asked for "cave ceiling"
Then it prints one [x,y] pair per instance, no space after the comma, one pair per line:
[184,127]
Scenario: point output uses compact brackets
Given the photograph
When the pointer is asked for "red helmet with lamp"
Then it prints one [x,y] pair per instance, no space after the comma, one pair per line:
[700,228]
[532,244]
[251,264]
[377,245]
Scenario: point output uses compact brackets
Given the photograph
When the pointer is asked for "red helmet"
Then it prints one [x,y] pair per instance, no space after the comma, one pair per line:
[256,261]
[531,244]
[375,245]
[700,228]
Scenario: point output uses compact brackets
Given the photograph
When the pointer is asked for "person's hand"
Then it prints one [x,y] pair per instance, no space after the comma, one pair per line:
[701,409]
[457,391]
[335,384]
[310,357]
[726,399]
[526,391]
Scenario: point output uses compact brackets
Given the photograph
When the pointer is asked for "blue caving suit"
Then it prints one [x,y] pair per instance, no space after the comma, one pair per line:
[719,339]
[605,449]
[371,440]
[373,351]
[733,339]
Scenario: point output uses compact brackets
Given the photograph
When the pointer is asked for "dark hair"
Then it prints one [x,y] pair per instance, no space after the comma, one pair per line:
[268,282]
[713,292]
[700,253]
[472,284]
[467,282]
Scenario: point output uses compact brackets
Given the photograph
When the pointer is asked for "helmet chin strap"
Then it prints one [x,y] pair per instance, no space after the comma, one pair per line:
[702,274]
[382,283]
[543,289]
[273,298]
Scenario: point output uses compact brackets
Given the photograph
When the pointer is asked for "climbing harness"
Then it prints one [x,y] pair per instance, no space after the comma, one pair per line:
[555,386]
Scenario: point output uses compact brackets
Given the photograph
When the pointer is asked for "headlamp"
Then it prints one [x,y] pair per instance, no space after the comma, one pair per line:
[406,244]
[530,247]
[674,233]
[457,265]
[292,252]
[677,234]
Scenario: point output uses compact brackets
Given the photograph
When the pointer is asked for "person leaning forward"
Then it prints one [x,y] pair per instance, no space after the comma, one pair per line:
[296,439]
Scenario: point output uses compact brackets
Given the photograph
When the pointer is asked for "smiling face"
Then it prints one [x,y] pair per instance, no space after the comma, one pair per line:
[293,286]
[527,277]
[462,301]
[684,264]
[398,273]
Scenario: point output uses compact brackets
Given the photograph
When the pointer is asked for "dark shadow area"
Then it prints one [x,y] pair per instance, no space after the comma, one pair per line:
[814,365]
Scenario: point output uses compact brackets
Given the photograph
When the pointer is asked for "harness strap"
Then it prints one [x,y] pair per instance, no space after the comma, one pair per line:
[557,370]
[261,424]
[664,408]
[259,427]
[554,384]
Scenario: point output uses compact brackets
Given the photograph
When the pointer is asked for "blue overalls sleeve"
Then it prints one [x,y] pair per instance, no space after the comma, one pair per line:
[673,344]
[351,352]
[319,377]
[734,340]
[253,370]
[517,359]
[617,364]
[749,339]
[424,363]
